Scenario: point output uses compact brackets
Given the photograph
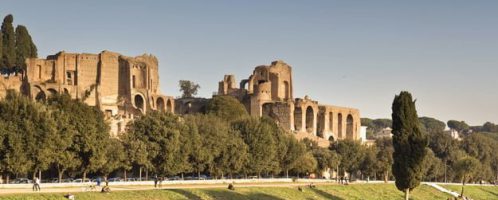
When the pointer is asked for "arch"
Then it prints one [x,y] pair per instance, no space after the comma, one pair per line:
[286,90]
[331,121]
[339,125]
[169,106]
[349,127]
[66,91]
[160,105]
[40,95]
[298,115]
[331,138]
[310,116]
[39,72]
[52,91]
[320,125]
[139,102]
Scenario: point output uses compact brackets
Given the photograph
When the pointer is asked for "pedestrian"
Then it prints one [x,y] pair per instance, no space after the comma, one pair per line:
[99,180]
[155,181]
[36,184]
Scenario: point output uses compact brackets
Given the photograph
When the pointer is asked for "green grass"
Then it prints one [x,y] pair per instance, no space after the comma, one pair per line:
[334,192]
[476,192]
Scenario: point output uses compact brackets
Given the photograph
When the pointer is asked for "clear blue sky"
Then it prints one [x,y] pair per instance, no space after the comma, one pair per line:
[348,53]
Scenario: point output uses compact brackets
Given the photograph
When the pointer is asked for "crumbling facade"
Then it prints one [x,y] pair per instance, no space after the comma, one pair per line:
[122,87]
[269,92]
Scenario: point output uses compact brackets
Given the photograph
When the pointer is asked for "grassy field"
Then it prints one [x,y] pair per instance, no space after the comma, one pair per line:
[334,192]
[476,192]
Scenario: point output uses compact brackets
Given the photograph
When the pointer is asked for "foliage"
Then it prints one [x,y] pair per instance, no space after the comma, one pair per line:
[351,153]
[25,48]
[9,44]
[458,125]
[409,143]
[226,107]
[431,125]
[188,88]
[385,156]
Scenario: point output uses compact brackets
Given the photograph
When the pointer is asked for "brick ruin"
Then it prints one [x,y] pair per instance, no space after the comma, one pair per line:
[122,87]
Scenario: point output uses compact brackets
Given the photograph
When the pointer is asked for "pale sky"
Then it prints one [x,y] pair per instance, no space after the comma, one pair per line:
[347,53]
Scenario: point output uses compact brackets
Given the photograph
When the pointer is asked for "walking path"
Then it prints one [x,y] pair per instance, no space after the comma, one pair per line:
[442,189]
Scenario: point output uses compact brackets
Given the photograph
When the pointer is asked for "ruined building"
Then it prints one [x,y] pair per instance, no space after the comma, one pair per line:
[269,92]
[122,87]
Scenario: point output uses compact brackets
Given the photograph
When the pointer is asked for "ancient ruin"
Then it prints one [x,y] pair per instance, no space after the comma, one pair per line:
[122,87]
[269,92]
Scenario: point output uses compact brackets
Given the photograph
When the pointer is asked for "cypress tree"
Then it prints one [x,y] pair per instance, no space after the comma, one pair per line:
[25,48]
[8,43]
[409,144]
[1,53]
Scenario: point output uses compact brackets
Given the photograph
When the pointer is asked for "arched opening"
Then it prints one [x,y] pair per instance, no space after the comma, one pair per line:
[339,125]
[287,90]
[139,102]
[331,138]
[169,106]
[40,95]
[52,91]
[66,91]
[267,110]
[349,127]
[331,121]
[298,116]
[160,104]
[309,119]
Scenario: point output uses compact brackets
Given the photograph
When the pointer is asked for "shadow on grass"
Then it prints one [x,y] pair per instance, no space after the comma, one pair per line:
[224,194]
[185,193]
[325,195]
[488,190]
[262,196]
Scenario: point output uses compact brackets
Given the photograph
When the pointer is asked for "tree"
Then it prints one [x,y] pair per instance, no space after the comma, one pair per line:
[431,125]
[466,167]
[369,164]
[157,135]
[233,157]
[409,144]
[306,163]
[443,145]
[294,151]
[490,127]
[262,147]
[458,125]
[188,88]
[433,167]
[351,153]
[25,48]
[227,108]
[385,156]
[28,135]
[9,44]
[115,156]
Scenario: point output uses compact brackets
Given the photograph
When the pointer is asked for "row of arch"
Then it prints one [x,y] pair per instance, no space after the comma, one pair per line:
[160,104]
[310,121]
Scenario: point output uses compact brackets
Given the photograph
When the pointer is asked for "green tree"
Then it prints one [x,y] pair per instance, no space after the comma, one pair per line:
[262,147]
[157,135]
[188,88]
[233,157]
[369,164]
[9,44]
[385,156]
[227,108]
[409,144]
[294,151]
[29,134]
[351,153]
[431,125]
[466,168]
[115,157]
[443,145]
[458,125]
[306,163]
[25,48]
[433,167]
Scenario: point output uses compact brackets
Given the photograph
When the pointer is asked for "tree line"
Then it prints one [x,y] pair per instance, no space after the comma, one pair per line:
[15,46]
[66,137]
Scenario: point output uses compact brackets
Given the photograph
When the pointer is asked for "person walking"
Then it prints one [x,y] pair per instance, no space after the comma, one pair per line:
[155,181]
[36,184]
